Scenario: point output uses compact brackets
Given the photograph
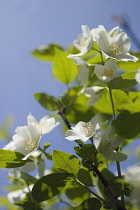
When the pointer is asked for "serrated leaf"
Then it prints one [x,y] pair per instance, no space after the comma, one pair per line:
[49,186]
[66,162]
[46,52]
[90,204]
[11,159]
[48,102]
[64,69]
[127,124]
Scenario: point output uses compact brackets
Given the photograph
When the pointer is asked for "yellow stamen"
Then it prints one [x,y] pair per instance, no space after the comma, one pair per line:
[30,144]
[115,49]
[108,73]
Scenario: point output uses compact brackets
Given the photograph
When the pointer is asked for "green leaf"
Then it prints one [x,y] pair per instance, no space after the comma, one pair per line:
[87,151]
[90,204]
[27,204]
[76,106]
[135,106]
[11,159]
[46,145]
[120,99]
[49,186]
[108,175]
[124,81]
[64,69]
[76,192]
[130,65]
[46,53]
[84,176]
[48,102]
[66,162]
[115,186]
[28,178]
[127,124]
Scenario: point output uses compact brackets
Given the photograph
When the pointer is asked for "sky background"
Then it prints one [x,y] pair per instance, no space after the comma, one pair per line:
[28,24]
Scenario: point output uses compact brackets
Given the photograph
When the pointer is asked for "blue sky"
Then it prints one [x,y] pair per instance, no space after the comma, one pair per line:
[28,24]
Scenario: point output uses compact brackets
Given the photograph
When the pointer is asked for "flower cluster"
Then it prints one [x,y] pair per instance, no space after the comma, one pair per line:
[27,138]
[113,45]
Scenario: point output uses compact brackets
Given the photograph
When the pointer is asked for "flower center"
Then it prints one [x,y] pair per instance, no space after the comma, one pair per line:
[79,67]
[104,147]
[87,129]
[41,125]
[30,144]
[82,42]
[115,49]
[108,73]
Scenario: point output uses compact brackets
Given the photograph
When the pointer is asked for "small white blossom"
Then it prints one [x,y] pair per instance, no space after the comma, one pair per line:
[45,125]
[94,94]
[96,31]
[84,41]
[83,69]
[106,144]
[137,76]
[84,130]
[106,72]
[26,140]
[133,177]
[115,46]
[18,195]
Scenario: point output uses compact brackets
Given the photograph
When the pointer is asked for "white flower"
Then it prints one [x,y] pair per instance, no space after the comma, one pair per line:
[137,76]
[84,130]
[84,41]
[18,195]
[95,32]
[83,69]
[133,177]
[116,46]
[107,72]
[45,125]
[26,140]
[94,94]
[106,144]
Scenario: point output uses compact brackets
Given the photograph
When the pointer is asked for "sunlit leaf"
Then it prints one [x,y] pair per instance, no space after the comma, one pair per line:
[49,186]
[48,102]
[120,99]
[66,162]
[46,52]
[124,81]
[76,192]
[127,124]
[64,69]
[11,159]
[130,65]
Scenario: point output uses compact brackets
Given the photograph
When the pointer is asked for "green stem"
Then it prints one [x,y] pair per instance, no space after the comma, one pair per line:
[43,151]
[80,183]
[117,163]
[112,102]
[102,57]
